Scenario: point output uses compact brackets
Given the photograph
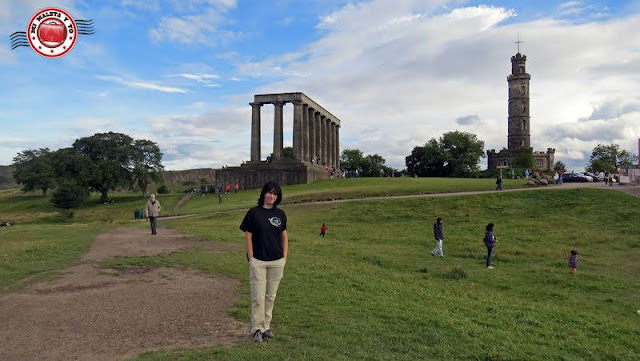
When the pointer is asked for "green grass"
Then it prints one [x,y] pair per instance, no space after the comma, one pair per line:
[344,188]
[35,250]
[32,207]
[370,290]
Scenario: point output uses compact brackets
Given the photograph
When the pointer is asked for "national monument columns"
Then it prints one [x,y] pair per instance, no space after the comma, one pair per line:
[316,135]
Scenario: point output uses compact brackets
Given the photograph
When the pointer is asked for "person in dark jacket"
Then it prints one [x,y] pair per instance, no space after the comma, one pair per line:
[267,244]
[573,261]
[438,234]
[489,240]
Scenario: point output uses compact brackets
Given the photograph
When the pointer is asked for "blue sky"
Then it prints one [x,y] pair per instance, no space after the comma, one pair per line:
[397,73]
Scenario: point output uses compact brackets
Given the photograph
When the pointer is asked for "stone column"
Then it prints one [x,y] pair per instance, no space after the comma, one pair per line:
[337,145]
[297,130]
[277,130]
[325,140]
[329,143]
[318,149]
[255,131]
[332,141]
[305,133]
[312,133]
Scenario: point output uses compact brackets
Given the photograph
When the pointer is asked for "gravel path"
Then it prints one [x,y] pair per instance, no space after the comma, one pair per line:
[104,314]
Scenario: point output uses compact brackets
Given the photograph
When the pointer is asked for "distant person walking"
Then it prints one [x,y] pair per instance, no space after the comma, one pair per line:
[152,211]
[489,240]
[323,229]
[499,183]
[438,234]
[267,244]
[573,261]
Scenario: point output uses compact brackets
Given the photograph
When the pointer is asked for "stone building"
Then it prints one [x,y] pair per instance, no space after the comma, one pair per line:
[519,125]
[316,145]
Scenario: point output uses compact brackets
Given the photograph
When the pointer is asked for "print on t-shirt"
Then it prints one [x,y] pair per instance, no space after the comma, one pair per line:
[275,221]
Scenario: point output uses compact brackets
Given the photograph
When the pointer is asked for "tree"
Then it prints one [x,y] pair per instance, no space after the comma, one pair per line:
[608,158]
[32,169]
[427,161]
[462,151]
[352,159]
[112,154]
[71,167]
[560,166]
[454,154]
[287,153]
[68,196]
[147,163]
[120,161]
[524,158]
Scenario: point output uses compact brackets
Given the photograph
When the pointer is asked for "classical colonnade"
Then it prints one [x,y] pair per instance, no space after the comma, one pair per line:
[316,132]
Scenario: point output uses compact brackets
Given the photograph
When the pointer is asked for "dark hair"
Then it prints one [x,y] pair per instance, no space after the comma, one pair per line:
[268,187]
[439,220]
[573,251]
[489,227]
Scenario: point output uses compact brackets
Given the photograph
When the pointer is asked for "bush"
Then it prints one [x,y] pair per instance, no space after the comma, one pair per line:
[68,196]
[162,189]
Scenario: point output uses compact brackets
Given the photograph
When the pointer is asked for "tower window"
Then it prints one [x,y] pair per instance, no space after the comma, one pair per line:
[523,90]
[522,70]
[523,107]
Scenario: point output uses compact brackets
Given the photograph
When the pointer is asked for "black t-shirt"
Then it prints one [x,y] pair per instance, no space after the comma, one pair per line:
[266,226]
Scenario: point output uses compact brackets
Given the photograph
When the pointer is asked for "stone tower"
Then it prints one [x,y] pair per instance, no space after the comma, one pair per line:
[518,134]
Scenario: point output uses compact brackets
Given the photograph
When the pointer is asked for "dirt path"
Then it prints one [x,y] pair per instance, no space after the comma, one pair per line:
[105,314]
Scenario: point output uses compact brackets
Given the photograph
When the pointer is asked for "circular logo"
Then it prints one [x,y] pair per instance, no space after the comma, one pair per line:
[52,32]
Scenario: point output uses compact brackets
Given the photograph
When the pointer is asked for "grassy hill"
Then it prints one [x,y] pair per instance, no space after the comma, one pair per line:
[370,290]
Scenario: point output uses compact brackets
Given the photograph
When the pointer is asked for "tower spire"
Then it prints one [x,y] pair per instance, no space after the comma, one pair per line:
[518,42]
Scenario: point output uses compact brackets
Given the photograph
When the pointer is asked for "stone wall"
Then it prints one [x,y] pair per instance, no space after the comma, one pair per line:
[190,175]
[256,174]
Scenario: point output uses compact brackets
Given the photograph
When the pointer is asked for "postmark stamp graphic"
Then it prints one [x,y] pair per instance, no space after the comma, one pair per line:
[52,32]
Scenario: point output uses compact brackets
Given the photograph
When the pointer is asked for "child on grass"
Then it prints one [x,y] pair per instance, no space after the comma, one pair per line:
[323,229]
[573,261]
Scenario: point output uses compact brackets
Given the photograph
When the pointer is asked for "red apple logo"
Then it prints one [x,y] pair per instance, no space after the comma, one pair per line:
[52,33]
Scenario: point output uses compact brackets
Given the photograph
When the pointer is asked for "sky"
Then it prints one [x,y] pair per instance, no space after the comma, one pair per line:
[395,72]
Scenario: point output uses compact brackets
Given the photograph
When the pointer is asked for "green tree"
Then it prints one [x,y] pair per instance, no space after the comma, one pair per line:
[287,153]
[352,159]
[372,164]
[32,169]
[68,196]
[463,151]
[71,167]
[455,154]
[147,163]
[608,158]
[427,161]
[524,158]
[112,154]
[560,166]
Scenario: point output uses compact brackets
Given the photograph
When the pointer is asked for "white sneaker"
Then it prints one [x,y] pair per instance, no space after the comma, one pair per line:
[490,267]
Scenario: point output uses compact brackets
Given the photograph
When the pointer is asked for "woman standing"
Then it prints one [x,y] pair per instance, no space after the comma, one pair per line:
[489,240]
[267,243]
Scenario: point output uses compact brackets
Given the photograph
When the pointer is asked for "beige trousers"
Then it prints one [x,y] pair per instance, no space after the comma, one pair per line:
[264,277]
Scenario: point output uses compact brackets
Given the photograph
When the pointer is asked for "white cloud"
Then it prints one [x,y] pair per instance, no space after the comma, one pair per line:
[204,79]
[201,27]
[140,84]
[396,85]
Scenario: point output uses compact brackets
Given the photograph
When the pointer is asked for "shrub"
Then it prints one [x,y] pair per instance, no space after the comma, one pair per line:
[68,196]
[163,189]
